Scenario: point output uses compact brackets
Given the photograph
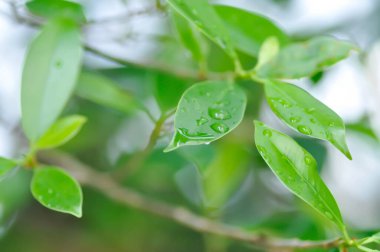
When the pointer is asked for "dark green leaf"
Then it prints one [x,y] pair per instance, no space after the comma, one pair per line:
[306,58]
[54,8]
[249,30]
[206,112]
[61,132]
[202,15]
[49,76]
[104,91]
[297,170]
[302,112]
[6,165]
[57,190]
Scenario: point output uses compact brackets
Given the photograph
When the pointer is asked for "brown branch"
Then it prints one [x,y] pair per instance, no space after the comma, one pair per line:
[130,198]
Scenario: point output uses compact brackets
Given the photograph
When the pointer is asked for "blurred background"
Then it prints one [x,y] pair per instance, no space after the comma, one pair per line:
[128,29]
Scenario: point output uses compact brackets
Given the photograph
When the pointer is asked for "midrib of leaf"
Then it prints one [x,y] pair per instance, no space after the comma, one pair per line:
[341,225]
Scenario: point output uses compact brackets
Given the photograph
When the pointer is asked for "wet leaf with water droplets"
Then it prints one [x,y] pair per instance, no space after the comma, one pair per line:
[305,114]
[202,118]
[297,169]
[57,190]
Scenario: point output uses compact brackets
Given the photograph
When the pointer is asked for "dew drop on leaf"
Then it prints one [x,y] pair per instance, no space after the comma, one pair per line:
[219,127]
[202,121]
[267,133]
[218,114]
[304,130]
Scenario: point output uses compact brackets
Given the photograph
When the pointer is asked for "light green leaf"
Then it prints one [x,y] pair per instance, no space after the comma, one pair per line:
[206,112]
[249,30]
[203,16]
[375,238]
[104,91]
[49,76]
[268,51]
[302,112]
[6,165]
[57,190]
[306,58]
[52,9]
[61,132]
[188,37]
[297,170]
[365,249]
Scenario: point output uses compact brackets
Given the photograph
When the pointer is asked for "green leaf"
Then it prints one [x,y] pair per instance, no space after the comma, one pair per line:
[101,90]
[375,238]
[49,76]
[52,9]
[365,249]
[306,58]
[297,170]
[61,132]
[6,165]
[188,37]
[206,112]
[57,190]
[305,114]
[249,30]
[203,16]
[268,51]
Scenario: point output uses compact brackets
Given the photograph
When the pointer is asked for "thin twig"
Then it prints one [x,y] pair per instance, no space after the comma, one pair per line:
[128,197]
[122,17]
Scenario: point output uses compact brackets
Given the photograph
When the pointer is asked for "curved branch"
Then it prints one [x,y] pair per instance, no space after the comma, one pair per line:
[130,198]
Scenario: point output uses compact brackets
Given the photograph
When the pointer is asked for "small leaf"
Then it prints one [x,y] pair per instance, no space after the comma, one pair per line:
[188,37]
[52,9]
[268,51]
[61,132]
[249,30]
[375,238]
[306,58]
[6,165]
[365,249]
[203,16]
[57,190]
[297,170]
[206,112]
[49,76]
[305,114]
[104,91]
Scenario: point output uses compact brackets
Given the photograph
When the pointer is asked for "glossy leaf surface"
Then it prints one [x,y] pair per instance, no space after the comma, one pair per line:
[305,114]
[306,58]
[49,76]
[206,112]
[203,16]
[297,170]
[62,131]
[57,190]
[249,30]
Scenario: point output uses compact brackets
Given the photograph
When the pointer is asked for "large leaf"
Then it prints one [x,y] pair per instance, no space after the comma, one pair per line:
[206,112]
[6,165]
[297,170]
[302,112]
[249,30]
[61,132]
[203,15]
[56,190]
[50,72]
[306,58]
[104,91]
[54,8]
[188,37]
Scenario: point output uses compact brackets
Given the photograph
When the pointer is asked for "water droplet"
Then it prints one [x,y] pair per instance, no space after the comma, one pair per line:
[183,110]
[309,110]
[50,191]
[332,124]
[207,143]
[308,160]
[218,114]
[267,133]
[304,130]
[295,119]
[202,121]
[328,215]
[219,127]
[312,120]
